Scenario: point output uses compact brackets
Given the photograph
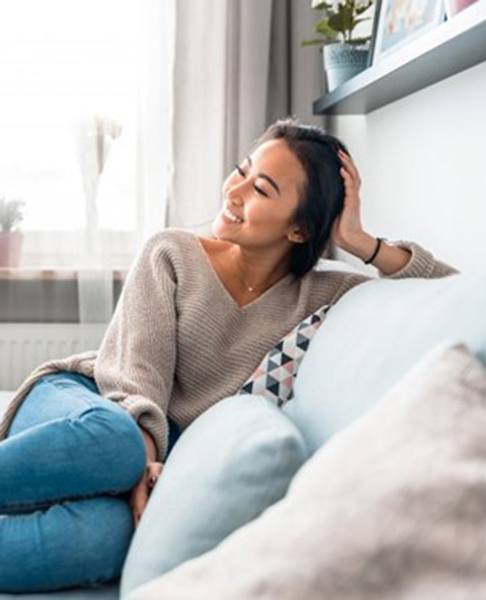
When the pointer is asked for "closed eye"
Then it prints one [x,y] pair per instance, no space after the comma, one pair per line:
[258,189]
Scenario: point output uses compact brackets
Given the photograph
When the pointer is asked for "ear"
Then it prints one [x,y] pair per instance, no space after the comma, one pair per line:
[296,236]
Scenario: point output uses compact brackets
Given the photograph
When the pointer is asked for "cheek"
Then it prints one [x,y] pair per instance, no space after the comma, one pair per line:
[265,214]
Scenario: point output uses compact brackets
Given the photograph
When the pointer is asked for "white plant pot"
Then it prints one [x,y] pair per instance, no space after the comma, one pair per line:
[343,61]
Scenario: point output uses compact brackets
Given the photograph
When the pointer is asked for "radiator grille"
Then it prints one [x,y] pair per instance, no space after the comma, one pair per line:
[24,346]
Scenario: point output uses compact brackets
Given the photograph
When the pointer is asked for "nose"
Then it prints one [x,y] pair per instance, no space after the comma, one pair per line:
[235,192]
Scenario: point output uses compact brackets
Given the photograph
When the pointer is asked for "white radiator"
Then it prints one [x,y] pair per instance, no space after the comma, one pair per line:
[24,346]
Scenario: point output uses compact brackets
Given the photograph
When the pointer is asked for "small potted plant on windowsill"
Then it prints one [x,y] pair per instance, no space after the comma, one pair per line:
[10,239]
[343,56]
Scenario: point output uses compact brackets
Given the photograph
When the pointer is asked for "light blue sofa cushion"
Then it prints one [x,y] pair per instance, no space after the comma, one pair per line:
[372,336]
[233,461]
[108,591]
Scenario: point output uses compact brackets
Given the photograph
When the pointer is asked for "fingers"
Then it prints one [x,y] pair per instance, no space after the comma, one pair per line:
[136,518]
[346,176]
[154,469]
[139,500]
[349,169]
[141,492]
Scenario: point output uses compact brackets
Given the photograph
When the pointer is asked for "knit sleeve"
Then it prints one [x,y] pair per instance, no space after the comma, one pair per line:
[136,360]
[421,264]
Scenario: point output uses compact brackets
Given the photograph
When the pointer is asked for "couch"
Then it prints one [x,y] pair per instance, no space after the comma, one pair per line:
[368,343]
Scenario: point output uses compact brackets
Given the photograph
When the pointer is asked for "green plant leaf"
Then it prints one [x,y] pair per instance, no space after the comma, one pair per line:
[10,213]
[324,28]
[321,5]
[339,20]
[343,20]
[356,21]
[312,42]
[357,41]
[363,8]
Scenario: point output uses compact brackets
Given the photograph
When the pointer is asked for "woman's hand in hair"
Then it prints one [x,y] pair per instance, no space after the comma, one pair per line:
[347,230]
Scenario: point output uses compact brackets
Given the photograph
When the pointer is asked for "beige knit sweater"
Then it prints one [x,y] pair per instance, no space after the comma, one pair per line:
[178,342]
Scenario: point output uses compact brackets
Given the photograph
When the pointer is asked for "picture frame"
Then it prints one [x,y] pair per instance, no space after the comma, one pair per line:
[401,21]
[452,7]
[376,17]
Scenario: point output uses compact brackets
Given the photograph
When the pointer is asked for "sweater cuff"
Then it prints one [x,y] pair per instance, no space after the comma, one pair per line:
[149,416]
[421,263]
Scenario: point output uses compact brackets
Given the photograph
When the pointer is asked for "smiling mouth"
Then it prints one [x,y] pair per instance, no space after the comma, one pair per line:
[232,217]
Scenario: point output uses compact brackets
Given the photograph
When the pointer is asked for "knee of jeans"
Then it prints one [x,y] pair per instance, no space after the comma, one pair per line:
[124,445]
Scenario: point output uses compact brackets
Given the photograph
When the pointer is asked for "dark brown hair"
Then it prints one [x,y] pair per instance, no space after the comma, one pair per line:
[321,198]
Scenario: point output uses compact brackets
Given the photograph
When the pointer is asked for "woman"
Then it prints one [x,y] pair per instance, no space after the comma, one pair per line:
[86,436]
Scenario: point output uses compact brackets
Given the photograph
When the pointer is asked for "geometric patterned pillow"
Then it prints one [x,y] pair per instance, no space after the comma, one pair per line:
[274,377]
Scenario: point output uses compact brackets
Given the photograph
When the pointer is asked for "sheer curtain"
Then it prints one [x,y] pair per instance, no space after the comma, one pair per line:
[85,136]
[145,150]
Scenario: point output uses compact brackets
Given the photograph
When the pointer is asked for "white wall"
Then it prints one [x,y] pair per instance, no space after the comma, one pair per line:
[422,161]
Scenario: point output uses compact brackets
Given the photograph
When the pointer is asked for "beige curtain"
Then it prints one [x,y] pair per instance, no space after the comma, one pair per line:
[238,66]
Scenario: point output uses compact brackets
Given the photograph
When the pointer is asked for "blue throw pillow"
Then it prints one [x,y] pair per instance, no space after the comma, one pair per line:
[233,461]
[372,336]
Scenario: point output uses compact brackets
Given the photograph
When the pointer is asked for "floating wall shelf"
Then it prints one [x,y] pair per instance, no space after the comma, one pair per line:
[451,47]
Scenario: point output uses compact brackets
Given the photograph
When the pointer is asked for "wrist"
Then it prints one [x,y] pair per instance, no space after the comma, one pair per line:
[361,246]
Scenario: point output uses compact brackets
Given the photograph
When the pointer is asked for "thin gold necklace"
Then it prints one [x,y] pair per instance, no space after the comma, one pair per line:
[251,288]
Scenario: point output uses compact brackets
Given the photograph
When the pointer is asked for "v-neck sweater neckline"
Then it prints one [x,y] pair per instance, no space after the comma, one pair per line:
[258,300]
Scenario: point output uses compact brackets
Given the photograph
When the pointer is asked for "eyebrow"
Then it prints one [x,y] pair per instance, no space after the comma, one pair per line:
[264,176]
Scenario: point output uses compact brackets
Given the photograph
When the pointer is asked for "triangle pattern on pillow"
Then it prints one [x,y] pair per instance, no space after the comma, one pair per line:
[274,377]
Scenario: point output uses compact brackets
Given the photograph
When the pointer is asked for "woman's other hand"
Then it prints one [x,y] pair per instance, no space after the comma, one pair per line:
[140,493]
[347,229]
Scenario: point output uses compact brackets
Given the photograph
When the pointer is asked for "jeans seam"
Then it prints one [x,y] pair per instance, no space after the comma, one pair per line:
[52,502]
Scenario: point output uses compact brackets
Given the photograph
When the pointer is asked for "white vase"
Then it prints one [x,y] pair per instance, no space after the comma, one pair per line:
[343,61]
[10,247]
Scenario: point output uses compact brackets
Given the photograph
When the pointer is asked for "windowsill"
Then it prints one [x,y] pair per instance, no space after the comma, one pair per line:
[40,295]
[44,274]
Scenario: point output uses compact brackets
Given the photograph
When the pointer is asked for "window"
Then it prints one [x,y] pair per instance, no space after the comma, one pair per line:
[66,66]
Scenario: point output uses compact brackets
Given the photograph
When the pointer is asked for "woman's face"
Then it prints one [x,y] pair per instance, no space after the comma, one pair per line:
[263,194]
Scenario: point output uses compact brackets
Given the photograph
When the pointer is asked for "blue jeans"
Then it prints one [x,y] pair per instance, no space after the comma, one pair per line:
[66,470]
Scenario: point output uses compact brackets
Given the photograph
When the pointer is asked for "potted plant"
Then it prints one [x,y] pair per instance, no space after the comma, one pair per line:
[10,239]
[343,56]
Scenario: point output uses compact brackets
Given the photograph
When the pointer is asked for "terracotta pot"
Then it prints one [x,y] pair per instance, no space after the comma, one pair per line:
[10,247]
